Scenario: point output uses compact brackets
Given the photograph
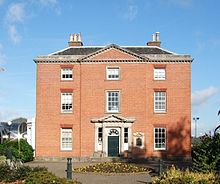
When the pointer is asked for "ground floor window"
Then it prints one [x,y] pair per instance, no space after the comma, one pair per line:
[99,134]
[66,138]
[159,138]
[125,135]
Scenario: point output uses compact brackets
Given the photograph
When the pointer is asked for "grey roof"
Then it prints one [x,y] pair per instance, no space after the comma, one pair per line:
[89,50]
[141,53]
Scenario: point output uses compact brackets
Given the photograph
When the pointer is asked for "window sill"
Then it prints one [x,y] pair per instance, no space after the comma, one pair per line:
[160,112]
[113,112]
[63,150]
[66,112]
[159,79]
[112,79]
[69,80]
[160,149]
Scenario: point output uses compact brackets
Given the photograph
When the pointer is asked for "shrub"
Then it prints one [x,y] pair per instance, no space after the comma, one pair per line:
[175,176]
[44,177]
[206,153]
[6,174]
[10,175]
[25,153]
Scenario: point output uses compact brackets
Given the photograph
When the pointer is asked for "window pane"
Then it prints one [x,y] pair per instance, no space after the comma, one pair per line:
[66,139]
[113,101]
[66,102]
[125,135]
[160,101]
[113,73]
[160,138]
[159,74]
[66,73]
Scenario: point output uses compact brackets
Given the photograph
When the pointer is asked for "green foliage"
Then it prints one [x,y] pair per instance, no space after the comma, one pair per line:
[25,153]
[44,177]
[36,175]
[206,154]
[108,167]
[6,174]
[10,175]
[175,176]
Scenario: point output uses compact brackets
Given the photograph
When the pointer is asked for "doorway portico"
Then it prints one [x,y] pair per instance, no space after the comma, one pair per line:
[113,135]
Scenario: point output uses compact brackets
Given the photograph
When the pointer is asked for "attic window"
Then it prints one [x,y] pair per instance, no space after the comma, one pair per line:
[112,73]
[66,74]
[159,73]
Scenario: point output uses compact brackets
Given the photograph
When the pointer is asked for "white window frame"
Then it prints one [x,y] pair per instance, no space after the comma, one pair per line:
[66,71]
[61,102]
[158,102]
[107,101]
[108,71]
[159,138]
[159,74]
[69,141]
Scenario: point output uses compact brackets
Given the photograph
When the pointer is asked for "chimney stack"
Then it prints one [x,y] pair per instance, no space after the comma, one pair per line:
[75,40]
[155,40]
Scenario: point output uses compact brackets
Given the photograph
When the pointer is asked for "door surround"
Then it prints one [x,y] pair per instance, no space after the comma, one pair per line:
[112,125]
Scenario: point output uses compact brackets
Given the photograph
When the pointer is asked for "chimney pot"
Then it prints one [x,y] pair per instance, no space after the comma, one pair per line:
[75,40]
[153,37]
[157,36]
[71,37]
[79,37]
[155,40]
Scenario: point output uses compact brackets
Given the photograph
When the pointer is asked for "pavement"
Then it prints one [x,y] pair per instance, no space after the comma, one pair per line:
[58,168]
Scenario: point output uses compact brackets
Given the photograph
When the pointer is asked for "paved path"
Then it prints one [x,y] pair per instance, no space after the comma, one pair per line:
[58,168]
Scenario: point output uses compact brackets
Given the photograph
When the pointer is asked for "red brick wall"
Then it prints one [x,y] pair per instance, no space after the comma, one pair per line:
[137,87]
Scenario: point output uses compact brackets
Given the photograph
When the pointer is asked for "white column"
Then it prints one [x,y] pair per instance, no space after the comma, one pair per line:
[122,139]
[130,137]
[104,143]
[96,138]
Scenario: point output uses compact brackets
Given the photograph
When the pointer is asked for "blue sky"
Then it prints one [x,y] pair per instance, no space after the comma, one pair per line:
[37,27]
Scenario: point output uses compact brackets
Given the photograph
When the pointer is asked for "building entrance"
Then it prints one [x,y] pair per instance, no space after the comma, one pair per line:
[113,146]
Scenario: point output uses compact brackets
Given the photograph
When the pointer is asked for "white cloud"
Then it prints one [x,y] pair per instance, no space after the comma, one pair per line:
[2,56]
[202,96]
[13,34]
[131,12]
[16,13]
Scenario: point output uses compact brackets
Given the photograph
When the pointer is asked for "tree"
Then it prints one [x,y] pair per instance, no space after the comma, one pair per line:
[206,153]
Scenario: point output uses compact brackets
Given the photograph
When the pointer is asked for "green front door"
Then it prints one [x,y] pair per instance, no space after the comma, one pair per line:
[113,146]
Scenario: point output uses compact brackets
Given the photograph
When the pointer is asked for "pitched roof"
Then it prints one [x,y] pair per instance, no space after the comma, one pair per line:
[137,56]
[140,53]
[89,50]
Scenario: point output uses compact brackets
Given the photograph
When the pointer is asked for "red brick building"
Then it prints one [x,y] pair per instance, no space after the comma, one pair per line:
[112,100]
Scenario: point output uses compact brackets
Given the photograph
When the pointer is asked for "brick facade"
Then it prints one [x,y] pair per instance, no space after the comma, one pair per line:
[136,86]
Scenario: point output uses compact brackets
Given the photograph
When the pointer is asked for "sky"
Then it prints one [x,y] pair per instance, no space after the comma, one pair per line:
[29,28]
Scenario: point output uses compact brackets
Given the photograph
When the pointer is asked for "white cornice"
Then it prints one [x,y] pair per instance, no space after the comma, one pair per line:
[77,59]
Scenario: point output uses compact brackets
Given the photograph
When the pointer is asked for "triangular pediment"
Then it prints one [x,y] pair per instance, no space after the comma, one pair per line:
[113,53]
[113,119]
